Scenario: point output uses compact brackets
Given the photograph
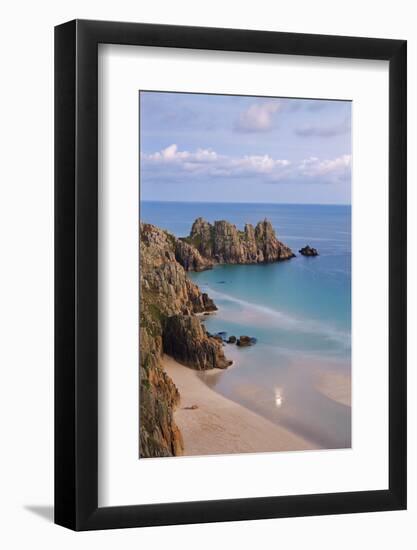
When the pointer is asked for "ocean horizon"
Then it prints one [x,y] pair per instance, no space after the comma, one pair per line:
[299,311]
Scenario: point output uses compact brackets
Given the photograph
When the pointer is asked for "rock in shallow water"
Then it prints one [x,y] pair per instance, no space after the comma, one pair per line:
[245,341]
[308,251]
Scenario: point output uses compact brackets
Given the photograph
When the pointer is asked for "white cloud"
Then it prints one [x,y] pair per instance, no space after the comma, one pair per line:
[171,154]
[258,117]
[333,169]
[263,164]
[170,163]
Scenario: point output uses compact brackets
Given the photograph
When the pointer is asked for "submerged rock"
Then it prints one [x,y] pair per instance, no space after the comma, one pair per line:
[308,251]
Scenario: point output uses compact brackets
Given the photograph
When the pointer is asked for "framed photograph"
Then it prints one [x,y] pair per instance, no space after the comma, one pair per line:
[230,338]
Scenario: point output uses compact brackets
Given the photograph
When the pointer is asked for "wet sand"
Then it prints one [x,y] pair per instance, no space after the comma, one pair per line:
[212,424]
[336,386]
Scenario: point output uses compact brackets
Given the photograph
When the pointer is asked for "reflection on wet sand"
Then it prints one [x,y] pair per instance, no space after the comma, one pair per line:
[309,397]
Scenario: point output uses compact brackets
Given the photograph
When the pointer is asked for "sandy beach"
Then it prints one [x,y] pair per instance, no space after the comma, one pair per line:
[336,386]
[212,424]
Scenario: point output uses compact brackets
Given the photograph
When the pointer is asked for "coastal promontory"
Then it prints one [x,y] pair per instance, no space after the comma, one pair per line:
[169,307]
[223,243]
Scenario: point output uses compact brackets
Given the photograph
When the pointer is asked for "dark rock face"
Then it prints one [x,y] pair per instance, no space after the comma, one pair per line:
[308,251]
[159,435]
[168,304]
[245,341]
[223,243]
[208,303]
[186,340]
[202,237]
[232,340]
[190,258]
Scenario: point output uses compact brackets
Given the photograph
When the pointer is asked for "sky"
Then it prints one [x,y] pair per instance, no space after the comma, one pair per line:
[224,148]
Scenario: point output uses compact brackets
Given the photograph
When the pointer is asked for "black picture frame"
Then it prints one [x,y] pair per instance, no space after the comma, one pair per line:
[76,272]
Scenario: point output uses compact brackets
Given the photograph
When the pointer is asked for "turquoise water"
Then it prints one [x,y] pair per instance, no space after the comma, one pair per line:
[299,311]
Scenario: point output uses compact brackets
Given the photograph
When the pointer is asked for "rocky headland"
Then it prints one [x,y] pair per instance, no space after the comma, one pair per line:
[169,304]
[223,243]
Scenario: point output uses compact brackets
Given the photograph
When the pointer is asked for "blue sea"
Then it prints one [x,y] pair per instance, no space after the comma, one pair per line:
[299,311]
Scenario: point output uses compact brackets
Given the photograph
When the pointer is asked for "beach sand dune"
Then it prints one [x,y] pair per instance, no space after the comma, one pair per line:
[212,424]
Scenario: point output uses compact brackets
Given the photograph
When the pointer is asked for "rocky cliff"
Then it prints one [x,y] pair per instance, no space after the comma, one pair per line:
[186,340]
[223,243]
[190,258]
[168,304]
